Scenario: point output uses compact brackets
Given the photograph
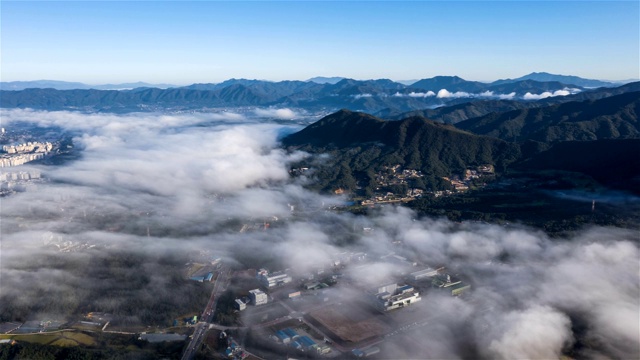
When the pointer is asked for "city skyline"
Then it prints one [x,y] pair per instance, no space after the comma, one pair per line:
[183,43]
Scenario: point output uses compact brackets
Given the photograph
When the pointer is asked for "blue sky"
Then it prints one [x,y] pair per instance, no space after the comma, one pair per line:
[210,41]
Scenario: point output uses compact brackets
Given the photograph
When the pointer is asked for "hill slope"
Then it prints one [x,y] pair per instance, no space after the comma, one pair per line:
[609,118]
[361,144]
[460,112]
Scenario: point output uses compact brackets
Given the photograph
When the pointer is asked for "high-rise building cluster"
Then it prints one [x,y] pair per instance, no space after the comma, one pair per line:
[22,175]
[28,147]
[15,155]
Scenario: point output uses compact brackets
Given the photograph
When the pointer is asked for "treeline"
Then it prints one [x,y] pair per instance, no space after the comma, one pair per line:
[135,350]
[136,288]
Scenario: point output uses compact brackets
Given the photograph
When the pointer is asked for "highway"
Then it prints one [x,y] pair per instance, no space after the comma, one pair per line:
[207,315]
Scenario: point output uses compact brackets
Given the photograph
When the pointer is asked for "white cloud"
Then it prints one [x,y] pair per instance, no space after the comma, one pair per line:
[546,94]
[284,114]
[491,94]
[422,94]
[539,332]
[444,93]
[359,96]
[506,96]
[415,94]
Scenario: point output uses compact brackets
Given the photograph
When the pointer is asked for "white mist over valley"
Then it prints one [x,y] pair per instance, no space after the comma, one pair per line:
[158,190]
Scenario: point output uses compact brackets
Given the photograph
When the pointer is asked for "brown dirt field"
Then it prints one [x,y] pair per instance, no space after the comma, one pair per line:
[349,324]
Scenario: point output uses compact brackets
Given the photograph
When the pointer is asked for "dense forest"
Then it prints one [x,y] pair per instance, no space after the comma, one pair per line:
[132,349]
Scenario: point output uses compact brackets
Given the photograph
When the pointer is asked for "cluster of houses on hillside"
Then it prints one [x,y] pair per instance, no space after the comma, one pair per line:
[391,176]
[462,183]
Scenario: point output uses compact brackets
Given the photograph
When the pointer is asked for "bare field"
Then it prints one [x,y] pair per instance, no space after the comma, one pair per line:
[64,338]
[350,323]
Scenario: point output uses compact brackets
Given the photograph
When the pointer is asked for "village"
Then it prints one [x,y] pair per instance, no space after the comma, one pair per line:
[394,176]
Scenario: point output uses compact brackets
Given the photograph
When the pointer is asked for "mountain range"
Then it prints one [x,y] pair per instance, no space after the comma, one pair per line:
[543,76]
[455,113]
[333,93]
[576,136]
[540,126]
[360,144]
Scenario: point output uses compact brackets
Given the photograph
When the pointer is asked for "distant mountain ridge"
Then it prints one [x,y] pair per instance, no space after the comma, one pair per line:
[65,85]
[567,79]
[326,80]
[456,113]
[370,96]
[451,83]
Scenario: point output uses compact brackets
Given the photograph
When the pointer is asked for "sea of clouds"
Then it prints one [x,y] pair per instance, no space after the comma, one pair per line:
[171,183]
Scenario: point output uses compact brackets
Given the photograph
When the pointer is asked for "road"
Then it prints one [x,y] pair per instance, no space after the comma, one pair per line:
[207,315]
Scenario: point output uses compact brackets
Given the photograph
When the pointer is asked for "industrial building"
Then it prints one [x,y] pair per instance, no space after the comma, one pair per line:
[203,278]
[291,333]
[284,338]
[366,352]
[398,260]
[314,285]
[289,336]
[274,279]
[240,305]
[307,343]
[445,281]
[425,273]
[258,297]
[392,296]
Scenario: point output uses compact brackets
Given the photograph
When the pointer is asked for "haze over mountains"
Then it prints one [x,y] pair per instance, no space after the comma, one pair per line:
[501,123]
[155,186]
[317,94]
[66,85]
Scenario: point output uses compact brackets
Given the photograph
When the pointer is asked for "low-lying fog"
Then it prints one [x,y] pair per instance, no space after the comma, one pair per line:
[151,189]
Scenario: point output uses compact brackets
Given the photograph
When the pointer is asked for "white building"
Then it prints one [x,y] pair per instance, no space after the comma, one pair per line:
[392,296]
[240,305]
[272,280]
[258,297]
